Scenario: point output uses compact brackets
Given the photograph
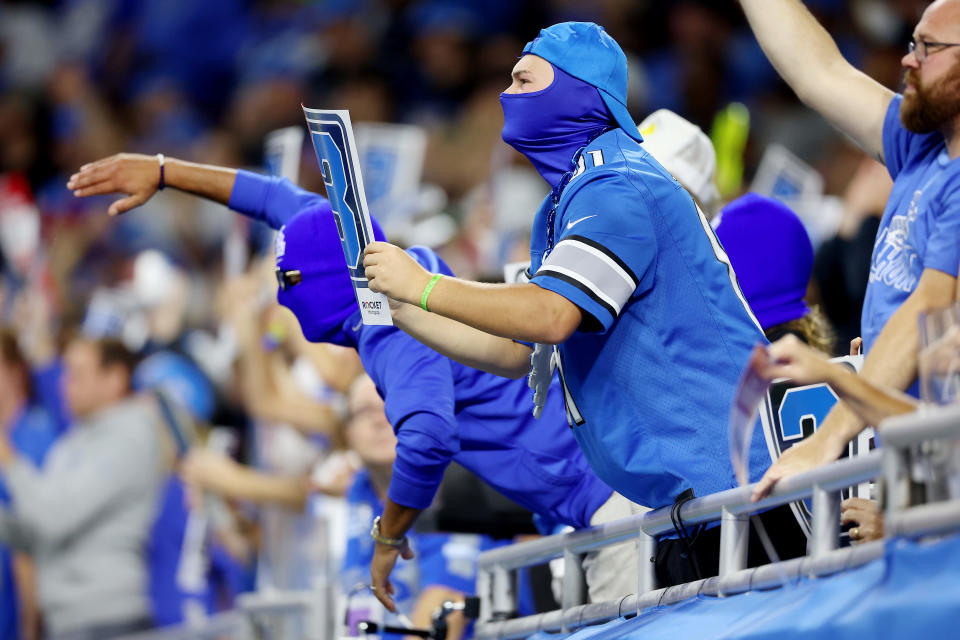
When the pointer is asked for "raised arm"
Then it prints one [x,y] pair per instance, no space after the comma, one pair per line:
[268,394]
[807,58]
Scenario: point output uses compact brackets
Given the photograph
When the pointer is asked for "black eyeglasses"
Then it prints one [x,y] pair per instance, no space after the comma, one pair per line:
[921,48]
[289,278]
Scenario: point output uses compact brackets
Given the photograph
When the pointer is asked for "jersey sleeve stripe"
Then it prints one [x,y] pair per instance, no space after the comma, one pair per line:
[594,269]
[574,279]
[569,250]
[606,252]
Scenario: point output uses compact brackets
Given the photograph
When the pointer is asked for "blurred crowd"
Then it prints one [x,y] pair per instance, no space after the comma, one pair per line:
[82,79]
[234,389]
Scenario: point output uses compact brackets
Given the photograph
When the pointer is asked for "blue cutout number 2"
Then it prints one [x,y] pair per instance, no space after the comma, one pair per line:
[803,409]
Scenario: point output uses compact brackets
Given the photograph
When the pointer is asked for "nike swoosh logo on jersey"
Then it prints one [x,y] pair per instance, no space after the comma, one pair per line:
[578,221]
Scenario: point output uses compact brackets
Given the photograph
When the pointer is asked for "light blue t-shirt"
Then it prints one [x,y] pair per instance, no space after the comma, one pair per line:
[920,228]
[650,375]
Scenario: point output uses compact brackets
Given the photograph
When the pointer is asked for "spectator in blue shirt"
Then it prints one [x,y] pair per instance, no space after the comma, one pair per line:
[917,135]
[31,431]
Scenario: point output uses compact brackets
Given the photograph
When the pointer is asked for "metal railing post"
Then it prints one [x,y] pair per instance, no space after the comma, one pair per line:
[734,536]
[485,593]
[504,594]
[896,480]
[826,521]
[318,615]
[646,571]
[572,582]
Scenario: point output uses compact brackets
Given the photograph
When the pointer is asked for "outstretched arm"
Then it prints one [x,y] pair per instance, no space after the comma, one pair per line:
[513,311]
[463,343]
[271,200]
[223,476]
[807,58]
[790,358]
[891,363]
[137,176]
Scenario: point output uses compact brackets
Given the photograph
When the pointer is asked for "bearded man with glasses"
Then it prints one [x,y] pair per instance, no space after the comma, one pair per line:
[916,134]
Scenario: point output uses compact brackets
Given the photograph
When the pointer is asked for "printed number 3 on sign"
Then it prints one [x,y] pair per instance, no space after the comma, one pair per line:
[336,149]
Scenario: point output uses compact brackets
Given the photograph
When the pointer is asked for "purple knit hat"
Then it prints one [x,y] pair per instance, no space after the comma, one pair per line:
[322,297]
[771,255]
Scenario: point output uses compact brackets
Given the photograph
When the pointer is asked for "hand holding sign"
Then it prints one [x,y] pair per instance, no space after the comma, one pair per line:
[787,358]
[791,358]
[392,272]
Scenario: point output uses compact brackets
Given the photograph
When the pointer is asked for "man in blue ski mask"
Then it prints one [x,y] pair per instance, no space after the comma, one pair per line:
[627,280]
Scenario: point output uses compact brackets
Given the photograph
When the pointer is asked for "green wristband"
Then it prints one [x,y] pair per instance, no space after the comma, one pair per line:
[427,289]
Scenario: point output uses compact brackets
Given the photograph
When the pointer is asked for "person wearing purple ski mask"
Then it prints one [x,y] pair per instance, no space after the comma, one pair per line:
[630,296]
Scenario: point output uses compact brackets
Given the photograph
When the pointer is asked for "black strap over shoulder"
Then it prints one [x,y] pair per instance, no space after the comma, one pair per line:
[687,539]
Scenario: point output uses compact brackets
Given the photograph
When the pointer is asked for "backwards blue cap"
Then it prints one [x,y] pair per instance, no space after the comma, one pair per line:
[323,298]
[587,52]
[771,254]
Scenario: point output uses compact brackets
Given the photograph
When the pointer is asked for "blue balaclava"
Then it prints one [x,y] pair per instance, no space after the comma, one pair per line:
[771,254]
[587,95]
[321,295]
[549,126]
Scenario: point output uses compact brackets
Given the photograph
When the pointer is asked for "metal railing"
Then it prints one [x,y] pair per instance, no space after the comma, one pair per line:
[307,614]
[901,437]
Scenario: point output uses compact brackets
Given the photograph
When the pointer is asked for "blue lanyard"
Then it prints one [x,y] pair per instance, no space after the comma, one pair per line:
[561,185]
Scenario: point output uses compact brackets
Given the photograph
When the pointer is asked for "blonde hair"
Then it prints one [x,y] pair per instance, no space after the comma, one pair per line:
[813,328]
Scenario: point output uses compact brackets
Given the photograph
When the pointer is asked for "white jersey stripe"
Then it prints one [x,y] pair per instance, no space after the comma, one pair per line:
[579,278]
[725,259]
[610,262]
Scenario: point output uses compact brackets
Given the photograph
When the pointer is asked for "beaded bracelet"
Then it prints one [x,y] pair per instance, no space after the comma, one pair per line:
[162,183]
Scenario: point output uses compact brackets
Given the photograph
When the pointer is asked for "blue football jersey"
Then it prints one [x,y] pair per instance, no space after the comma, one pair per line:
[649,376]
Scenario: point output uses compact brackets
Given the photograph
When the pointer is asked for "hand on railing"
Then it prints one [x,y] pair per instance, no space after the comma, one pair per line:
[867,517]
